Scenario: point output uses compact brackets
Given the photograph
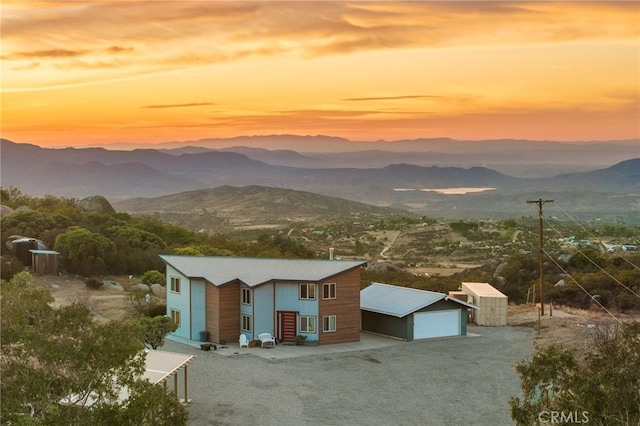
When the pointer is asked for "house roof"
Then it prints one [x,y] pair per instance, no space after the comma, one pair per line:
[256,271]
[401,301]
[484,290]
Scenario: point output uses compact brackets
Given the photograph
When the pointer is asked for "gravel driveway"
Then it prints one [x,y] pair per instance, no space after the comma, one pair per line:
[457,381]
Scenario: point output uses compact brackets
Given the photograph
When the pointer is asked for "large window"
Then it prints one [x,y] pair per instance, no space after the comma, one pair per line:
[329,290]
[175,284]
[246,296]
[175,316]
[329,323]
[307,291]
[307,324]
[246,322]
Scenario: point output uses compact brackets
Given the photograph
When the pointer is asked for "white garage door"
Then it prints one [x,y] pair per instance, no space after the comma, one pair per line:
[436,324]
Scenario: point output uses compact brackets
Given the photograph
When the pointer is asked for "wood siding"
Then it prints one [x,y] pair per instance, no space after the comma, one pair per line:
[229,312]
[45,264]
[212,307]
[346,308]
[223,312]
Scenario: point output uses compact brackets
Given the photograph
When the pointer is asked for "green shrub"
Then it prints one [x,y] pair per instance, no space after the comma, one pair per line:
[153,277]
[156,311]
[93,284]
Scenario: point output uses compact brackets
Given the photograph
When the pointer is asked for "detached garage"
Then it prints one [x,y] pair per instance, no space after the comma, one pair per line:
[412,314]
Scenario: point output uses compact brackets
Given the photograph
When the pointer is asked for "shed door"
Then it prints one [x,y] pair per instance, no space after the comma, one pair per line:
[436,324]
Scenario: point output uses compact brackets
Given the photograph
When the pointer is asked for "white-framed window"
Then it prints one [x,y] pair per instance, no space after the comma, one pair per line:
[307,291]
[245,320]
[329,323]
[246,296]
[307,324]
[329,290]
[175,284]
[175,316]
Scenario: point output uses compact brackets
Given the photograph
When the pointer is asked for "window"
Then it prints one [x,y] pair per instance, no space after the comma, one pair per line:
[307,324]
[329,323]
[308,291]
[246,296]
[329,290]
[175,316]
[246,322]
[175,284]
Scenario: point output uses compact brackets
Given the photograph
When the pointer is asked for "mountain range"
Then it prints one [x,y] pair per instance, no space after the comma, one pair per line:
[610,191]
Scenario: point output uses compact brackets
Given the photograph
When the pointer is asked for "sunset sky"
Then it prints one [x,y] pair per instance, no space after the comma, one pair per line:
[80,73]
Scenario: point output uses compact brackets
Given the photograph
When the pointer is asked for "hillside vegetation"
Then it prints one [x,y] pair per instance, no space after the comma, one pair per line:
[419,252]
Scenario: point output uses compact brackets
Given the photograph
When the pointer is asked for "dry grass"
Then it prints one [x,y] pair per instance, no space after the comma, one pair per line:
[575,329]
[105,305]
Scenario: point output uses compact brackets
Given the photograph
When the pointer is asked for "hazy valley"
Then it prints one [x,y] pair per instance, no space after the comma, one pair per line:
[610,191]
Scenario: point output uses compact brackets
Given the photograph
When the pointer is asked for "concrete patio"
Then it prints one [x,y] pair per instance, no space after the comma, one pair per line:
[282,351]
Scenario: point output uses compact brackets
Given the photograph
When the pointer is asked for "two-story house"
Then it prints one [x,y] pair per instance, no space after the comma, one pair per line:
[229,296]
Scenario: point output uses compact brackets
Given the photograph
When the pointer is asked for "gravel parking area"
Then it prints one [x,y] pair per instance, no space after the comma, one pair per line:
[456,381]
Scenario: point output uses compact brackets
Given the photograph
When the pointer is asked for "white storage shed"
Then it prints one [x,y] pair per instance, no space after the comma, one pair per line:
[491,302]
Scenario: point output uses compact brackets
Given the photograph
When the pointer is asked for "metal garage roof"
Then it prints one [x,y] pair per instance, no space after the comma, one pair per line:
[400,301]
[256,271]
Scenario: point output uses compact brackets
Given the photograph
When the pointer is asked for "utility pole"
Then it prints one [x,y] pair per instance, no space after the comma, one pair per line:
[540,202]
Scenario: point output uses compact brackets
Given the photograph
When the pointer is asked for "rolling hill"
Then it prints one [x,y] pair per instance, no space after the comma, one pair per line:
[228,206]
[119,175]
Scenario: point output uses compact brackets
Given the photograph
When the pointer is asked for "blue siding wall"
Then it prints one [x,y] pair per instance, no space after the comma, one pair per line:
[247,310]
[263,312]
[287,300]
[180,301]
[198,310]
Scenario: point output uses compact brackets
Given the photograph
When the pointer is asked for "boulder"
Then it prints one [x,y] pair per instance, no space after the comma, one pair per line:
[141,288]
[112,285]
[159,291]
[500,269]
[95,203]
[5,210]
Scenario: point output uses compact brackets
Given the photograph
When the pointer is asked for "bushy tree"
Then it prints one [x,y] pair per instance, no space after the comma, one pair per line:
[28,223]
[603,390]
[49,354]
[84,251]
[156,328]
[153,277]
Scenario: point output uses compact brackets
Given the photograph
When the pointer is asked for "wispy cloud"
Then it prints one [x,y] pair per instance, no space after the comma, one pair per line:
[193,104]
[119,49]
[45,54]
[392,98]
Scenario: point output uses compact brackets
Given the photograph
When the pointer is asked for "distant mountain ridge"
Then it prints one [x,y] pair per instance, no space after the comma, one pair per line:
[119,175]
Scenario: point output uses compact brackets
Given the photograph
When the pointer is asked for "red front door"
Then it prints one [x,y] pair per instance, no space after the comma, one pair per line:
[287,326]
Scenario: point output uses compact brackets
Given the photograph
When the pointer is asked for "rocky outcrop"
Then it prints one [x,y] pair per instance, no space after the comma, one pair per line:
[143,288]
[159,291]
[95,203]
[112,285]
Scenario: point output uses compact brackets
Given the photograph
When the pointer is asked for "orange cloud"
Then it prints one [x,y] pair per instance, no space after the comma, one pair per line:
[177,105]
[131,69]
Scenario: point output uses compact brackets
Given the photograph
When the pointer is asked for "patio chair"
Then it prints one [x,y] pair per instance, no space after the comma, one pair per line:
[266,338]
[244,343]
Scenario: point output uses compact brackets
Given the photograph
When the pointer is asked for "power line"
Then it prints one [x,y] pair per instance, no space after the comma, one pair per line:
[583,289]
[593,236]
[595,264]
